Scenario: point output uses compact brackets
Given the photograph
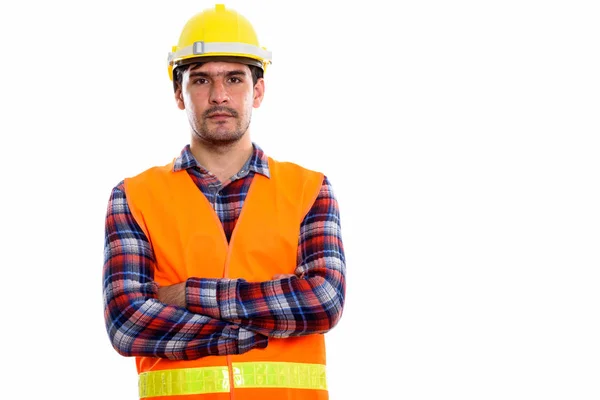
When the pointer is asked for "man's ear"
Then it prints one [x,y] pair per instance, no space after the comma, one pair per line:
[259,92]
[179,96]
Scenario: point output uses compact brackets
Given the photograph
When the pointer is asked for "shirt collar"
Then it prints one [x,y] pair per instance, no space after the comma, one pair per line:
[258,161]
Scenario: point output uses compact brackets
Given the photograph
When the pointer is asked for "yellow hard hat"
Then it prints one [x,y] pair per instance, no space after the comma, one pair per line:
[218,32]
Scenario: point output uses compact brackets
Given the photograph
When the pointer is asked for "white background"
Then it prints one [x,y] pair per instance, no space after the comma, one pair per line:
[461,139]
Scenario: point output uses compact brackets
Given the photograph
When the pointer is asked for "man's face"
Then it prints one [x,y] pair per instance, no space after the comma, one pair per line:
[218,98]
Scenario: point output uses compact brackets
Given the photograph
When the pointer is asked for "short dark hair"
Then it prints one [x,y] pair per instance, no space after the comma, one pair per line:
[256,72]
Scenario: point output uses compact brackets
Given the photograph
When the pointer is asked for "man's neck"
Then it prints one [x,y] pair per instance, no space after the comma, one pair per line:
[223,161]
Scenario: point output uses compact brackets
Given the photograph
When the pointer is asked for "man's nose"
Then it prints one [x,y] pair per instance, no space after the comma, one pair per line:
[218,93]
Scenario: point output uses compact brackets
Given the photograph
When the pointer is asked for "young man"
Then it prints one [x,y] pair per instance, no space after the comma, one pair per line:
[224,267]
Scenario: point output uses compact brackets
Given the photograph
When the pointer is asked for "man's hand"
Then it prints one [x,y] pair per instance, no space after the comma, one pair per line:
[172,295]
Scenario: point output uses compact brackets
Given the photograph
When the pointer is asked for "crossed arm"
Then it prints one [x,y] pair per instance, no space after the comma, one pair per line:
[203,317]
[137,322]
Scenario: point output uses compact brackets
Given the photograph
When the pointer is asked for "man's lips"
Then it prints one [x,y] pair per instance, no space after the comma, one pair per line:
[220,115]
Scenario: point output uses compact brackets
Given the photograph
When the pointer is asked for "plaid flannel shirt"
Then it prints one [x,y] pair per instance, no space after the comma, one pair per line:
[223,316]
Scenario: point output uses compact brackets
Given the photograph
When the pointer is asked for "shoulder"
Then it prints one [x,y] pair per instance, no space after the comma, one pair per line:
[119,190]
[156,170]
[149,176]
[302,171]
[289,167]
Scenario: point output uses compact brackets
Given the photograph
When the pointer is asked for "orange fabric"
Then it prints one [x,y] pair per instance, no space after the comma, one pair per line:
[211,396]
[188,241]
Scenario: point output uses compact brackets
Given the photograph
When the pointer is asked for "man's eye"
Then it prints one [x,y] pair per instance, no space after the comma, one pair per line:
[200,81]
[235,80]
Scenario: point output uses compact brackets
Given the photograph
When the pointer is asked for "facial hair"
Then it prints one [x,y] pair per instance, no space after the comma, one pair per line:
[216,136]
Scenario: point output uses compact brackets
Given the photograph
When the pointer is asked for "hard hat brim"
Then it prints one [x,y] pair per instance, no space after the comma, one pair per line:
[229,59]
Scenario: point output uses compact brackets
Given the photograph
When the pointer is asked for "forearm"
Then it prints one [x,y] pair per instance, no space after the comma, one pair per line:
[140,325]
[310,302]
[296,306]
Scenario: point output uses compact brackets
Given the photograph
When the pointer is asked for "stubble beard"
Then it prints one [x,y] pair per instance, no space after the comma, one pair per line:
[218,136]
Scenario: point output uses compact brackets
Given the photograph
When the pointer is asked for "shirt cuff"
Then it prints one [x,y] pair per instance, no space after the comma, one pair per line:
[201,297]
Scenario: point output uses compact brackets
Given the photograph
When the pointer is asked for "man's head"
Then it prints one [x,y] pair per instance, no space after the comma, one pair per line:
[218,97]
[217,72]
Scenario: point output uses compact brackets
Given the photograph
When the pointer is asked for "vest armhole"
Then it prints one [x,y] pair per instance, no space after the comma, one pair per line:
[317,176]
[135,212]
[313,182]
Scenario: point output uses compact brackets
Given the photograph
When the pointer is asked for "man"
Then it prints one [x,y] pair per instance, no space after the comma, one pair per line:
[223,268]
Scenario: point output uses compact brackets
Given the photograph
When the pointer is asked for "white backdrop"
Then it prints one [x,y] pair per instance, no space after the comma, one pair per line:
[461,139]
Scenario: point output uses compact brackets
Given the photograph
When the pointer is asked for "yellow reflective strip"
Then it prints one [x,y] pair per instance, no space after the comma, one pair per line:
[184,381]
[279,375]
[245,375]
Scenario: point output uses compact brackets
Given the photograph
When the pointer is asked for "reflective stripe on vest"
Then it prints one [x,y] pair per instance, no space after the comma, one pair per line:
[245,375]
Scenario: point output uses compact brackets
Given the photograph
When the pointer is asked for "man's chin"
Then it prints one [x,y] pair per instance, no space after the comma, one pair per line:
[223,138]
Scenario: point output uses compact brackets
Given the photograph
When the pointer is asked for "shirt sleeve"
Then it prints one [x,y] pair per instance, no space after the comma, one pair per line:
[140,325]
[307,303]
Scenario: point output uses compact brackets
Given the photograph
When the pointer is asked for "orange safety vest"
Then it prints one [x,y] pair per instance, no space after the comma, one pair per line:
[188,241]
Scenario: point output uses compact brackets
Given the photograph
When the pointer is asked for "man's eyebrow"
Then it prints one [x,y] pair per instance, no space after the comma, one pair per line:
[236,72]
[207,75]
